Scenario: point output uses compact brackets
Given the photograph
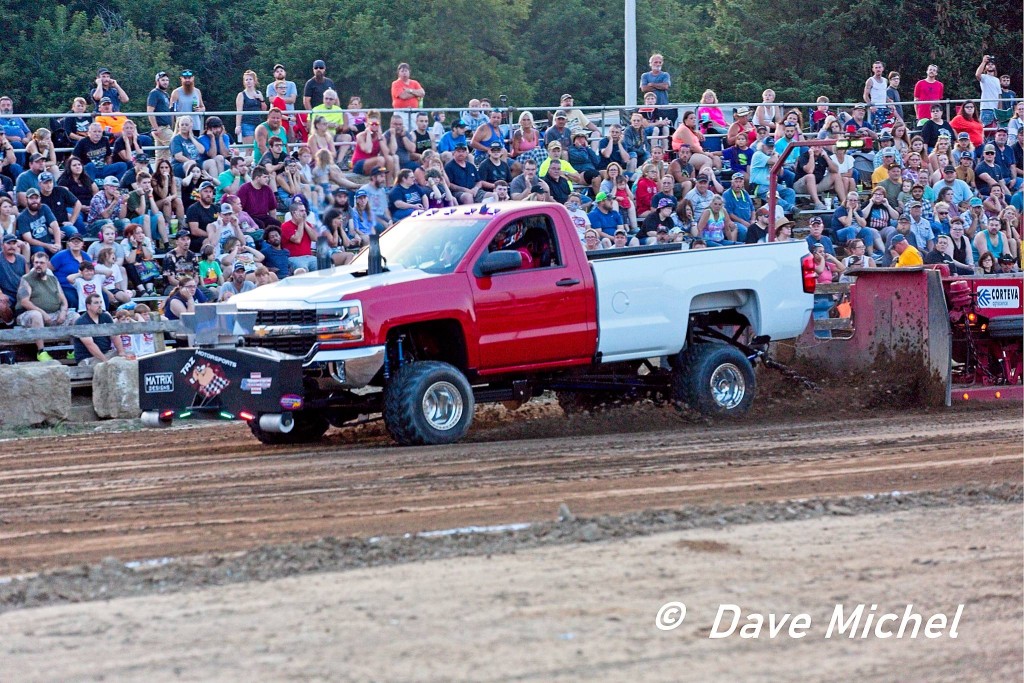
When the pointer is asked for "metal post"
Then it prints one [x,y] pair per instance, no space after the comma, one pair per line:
[773,179]
[630,45]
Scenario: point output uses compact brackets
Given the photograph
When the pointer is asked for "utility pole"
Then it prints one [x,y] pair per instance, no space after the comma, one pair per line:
[630,44]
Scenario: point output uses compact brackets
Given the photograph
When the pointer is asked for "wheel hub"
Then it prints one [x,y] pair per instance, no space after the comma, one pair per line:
[728,386]
[442,405]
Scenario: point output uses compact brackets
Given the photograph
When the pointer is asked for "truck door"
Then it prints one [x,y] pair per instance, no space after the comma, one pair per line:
[542,313]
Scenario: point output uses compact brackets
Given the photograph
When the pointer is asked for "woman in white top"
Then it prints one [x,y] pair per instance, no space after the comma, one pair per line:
[842,180]
[767,113]
[1015,127]
[857,258]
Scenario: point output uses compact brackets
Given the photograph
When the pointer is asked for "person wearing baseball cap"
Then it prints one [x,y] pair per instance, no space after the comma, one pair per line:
[199,216]
[906,254]
[188,98]
[158,106]
[495,167]
[961,190]
[575,118]
[65,265]
[313,92]
[291,93]
[456,136]
[760,163]
[989,173]
[62,202]
[107,206]
[110,120]
[463,178]
[603,216]
[739,205]
[659,220]
[555,151]
[816,227]
[560,131]
[236,281]
[107,87]
[30,177]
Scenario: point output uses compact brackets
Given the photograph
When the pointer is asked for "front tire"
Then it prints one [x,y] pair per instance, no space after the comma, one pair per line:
[717,380]
[309,427]
[428,403]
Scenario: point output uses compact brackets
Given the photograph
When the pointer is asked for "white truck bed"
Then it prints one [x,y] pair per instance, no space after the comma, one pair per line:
[644,301]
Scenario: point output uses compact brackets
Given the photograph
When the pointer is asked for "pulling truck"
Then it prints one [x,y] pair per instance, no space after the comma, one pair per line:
[483,303]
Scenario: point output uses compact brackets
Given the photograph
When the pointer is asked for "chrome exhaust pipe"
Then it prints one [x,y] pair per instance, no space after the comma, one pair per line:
[278,423]
[153,419]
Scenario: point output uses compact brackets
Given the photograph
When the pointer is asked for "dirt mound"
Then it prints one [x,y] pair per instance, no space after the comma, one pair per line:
[112,578]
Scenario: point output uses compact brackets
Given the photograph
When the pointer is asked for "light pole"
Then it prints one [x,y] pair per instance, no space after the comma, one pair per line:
[630,44]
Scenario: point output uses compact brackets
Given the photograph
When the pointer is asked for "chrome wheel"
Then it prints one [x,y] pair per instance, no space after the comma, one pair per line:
[442,405]
[728,386]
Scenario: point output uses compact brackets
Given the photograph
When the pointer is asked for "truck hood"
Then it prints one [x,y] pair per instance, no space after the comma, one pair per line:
[322,287]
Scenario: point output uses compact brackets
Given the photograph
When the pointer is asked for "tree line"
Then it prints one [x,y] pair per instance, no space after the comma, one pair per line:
[529,51]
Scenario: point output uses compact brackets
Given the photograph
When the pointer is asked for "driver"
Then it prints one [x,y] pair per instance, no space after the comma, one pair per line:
[506,237]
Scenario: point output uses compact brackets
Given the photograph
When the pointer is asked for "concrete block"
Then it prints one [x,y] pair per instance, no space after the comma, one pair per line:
[34,394]
[115,389]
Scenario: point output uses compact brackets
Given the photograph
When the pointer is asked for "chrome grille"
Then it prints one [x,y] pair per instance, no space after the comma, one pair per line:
[288,317]
[295,346]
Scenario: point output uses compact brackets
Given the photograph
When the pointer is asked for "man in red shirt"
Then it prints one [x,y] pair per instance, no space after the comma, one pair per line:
[258,199]
[927,90]
[406,93]
[297,237]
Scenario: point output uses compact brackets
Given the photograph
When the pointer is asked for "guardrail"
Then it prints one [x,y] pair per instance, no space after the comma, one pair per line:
[603,112]
[587,109]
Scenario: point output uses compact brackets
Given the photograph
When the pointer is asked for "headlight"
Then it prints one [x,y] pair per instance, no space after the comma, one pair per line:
[343,322]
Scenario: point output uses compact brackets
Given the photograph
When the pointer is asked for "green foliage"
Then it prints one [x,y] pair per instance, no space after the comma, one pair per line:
[37,65]
[525,49]
[826,48]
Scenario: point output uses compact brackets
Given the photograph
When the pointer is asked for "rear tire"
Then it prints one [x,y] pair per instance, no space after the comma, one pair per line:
[716,380]
[309,427]
[428,403]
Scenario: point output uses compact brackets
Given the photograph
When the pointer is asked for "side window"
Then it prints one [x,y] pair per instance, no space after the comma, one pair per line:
[543,242]
[534,237]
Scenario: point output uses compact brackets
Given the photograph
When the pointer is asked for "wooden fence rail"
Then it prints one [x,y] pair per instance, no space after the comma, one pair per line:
[27,335]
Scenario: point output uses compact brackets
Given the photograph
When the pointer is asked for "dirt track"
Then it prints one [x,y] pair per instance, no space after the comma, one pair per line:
[571,612]
[139,495]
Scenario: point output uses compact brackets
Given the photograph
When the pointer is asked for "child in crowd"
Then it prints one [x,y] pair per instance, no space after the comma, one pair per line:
[88,282]
[210,274]
[905,197]
[136,345]
[114,289]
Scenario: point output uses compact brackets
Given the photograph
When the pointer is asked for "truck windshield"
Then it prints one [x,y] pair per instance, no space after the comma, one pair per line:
[433,246]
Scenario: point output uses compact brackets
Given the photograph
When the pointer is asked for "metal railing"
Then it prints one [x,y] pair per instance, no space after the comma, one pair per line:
[606,114]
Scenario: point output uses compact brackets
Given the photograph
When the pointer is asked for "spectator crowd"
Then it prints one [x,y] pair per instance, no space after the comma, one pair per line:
[183,207]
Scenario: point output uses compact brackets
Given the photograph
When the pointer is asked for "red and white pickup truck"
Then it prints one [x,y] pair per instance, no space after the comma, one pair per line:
[483,303]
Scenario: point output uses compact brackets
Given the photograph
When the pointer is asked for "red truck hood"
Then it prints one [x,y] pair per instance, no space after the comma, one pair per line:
[325,286]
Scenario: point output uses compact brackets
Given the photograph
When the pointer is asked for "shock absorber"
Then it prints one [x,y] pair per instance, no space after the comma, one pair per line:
[399,360]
